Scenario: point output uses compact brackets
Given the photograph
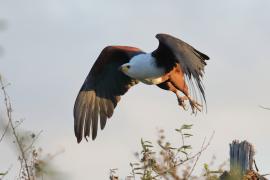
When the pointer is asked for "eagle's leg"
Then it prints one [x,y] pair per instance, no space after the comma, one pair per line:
[193,104]
[178,81]
[167,85]
[181,100]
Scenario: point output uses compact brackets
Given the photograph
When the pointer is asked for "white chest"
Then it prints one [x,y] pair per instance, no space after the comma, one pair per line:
[143,67]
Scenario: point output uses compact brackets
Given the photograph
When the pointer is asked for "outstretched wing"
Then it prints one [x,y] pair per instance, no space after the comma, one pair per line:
[101,90]
[190,60]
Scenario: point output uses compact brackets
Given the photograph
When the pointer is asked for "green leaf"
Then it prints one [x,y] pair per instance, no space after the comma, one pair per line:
[184,152]
[161,145]
[134,164]
[206,167]
[146,145]
[186,126]
[3,174]
[187,135]
[186,147]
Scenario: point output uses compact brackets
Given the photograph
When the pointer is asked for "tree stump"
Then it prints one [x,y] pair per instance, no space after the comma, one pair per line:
[241,163]
[241,156]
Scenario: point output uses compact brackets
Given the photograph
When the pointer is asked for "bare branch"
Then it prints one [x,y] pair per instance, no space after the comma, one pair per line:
[14,132]
[33,141]
[5,131]
[197,159]
[267,108]
[197,155]
[200,152]
[203,148]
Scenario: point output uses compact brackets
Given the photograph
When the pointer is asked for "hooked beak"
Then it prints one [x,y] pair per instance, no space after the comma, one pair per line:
[124,69]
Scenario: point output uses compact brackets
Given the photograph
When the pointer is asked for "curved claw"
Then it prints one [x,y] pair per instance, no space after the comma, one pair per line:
[195,106]
[182,103]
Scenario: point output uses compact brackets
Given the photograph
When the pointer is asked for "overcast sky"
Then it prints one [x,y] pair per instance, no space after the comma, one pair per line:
[50,46]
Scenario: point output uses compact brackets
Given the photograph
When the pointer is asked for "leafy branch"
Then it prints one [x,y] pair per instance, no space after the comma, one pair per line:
[165,163]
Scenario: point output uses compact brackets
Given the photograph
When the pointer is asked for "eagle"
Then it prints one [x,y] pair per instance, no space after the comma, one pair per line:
[175,66]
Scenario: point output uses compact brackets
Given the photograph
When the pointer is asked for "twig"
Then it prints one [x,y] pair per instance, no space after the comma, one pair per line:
[197,159]
[33,141]
[18,123]
[133,174]
[200,153]
[5,173]
[9,115]
[5,131]
[202,149]
[256,167]
[267,108]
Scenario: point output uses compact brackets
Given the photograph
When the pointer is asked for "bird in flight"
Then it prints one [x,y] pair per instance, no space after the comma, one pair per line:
[174,66]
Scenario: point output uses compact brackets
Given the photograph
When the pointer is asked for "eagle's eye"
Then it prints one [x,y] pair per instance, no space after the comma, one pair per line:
[128,66]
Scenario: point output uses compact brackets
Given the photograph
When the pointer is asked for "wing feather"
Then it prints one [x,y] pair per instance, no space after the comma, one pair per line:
[101,90]
[95,114]
[191,61]
[103,113]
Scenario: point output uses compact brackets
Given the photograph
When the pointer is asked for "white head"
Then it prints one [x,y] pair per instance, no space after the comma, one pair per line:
[141,66]
[130,70]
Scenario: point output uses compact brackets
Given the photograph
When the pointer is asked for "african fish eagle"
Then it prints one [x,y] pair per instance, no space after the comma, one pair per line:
[174,66]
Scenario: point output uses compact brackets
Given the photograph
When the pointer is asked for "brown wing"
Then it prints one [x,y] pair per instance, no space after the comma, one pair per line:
[191,61]
[101,90]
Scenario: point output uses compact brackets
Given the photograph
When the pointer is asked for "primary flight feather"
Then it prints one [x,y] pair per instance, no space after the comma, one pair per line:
[173,66]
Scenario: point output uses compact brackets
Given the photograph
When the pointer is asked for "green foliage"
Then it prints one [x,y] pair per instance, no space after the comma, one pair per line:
[3,174]
[210,174]
[164,160]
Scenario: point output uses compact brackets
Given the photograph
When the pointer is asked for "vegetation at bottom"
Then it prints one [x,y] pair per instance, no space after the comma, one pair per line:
[164,161]
[33,163]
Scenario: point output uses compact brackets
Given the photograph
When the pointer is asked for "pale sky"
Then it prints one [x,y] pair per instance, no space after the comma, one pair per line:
[50,46]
